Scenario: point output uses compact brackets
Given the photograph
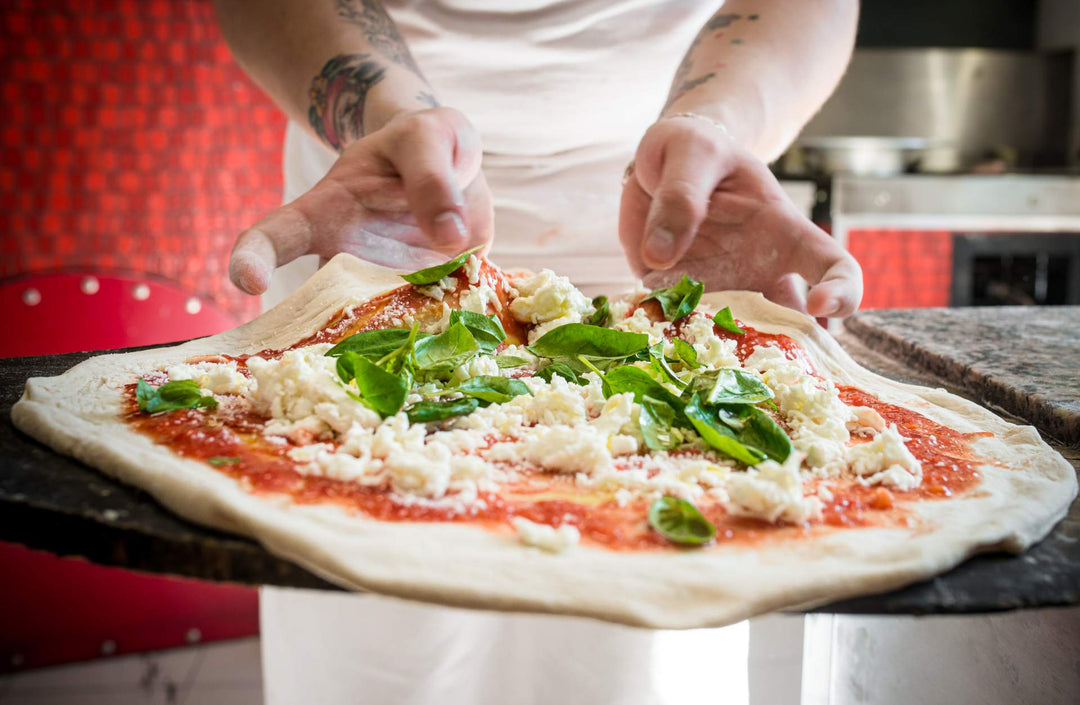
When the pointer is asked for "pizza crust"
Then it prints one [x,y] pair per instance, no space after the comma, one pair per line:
[77,414]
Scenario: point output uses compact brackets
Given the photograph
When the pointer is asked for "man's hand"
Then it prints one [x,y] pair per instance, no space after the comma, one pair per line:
[404,196]
[697,203]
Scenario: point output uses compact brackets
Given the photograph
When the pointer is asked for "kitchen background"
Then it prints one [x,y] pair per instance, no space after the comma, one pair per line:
[948,162]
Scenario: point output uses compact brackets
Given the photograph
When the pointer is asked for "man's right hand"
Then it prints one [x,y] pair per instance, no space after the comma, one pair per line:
[405,196]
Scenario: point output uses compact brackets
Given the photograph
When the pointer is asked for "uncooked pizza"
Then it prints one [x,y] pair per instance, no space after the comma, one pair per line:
[468,436]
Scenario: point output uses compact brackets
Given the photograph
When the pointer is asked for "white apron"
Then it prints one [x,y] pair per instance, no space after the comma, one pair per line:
[560,91]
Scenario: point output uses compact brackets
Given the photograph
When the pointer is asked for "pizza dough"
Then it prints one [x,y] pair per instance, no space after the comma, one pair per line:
[1017,503]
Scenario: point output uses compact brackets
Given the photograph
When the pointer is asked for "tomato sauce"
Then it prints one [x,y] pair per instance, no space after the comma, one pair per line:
[229,439]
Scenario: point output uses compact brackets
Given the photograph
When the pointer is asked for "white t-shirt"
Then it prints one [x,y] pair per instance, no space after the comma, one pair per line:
[561,91]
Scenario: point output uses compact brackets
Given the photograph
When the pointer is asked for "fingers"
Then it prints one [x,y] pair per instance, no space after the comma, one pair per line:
[633,211]
[277,239]
[838,293]
[834,276]
[787,291]
[690,173]
[433,155]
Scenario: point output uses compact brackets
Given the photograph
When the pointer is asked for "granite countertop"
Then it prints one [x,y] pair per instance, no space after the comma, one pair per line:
[56,504]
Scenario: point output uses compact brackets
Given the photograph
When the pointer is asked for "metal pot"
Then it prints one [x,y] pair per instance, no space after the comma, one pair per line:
[864,156]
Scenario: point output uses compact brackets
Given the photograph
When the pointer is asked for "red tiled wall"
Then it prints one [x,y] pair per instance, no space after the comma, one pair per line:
[904,268]
[130,141]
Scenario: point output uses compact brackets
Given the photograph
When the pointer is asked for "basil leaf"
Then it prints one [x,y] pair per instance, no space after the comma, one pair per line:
[725,320]
[374,344]
[506,362]
[424,411]
[680,522]
[656,419]
[757,430]
[382,391]
[492,389]
[219,460]
[487,330]
[718,436]
[737,387]
[431,275]
[577,339]
[172,396]
[678,301]
[660,365]
[143,394]
[602,314]
[562,370]
[686,353]
[404,358]
[634,380]
[453,347]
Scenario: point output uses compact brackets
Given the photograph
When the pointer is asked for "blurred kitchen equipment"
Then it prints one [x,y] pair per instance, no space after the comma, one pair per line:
[865,156]
[968,103]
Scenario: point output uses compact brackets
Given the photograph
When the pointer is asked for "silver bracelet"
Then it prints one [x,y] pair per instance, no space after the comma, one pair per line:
[629,171]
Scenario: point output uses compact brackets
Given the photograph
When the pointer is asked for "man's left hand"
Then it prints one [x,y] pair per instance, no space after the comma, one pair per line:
[699,204]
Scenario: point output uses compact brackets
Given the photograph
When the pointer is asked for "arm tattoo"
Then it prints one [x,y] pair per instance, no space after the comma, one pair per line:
[682,84]
[338,95]
[379,30]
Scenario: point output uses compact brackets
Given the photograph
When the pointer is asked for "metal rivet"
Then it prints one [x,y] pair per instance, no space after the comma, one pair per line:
[108,647]
[31,297]
[16,660]
[141,292]
[193,305]
[90,285]
[193,636]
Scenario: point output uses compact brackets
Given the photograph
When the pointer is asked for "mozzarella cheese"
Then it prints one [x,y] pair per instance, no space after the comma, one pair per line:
[217,377]
[640,322]
[303,396]
[886,460]
[548,301]
[545,537]
[472,269]
[712,351]
[772,492]
[479,299]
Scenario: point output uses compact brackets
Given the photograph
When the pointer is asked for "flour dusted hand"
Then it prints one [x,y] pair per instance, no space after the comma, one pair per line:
[698,203]
[397,197]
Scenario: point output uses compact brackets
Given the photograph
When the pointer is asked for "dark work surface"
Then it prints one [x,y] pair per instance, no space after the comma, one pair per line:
[52,503]
[1023,359]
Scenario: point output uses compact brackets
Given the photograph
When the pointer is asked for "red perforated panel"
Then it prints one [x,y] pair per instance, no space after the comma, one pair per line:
[130,140]
[904,268]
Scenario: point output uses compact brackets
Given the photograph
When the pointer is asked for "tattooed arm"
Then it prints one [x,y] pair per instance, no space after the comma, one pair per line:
[407,185]
[762,68]
[700,199]
[338,66]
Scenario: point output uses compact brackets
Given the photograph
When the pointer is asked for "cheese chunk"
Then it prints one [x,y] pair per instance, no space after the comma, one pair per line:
[563,449]
[548,301]
[217,377]
[303,397]
[640,322]
[545,537]
[886,460]
[479,299]
[712,350]
[772,492]
[546,297]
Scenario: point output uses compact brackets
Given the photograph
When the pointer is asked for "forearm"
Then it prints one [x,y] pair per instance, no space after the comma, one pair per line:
[338,67]
[762,68]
